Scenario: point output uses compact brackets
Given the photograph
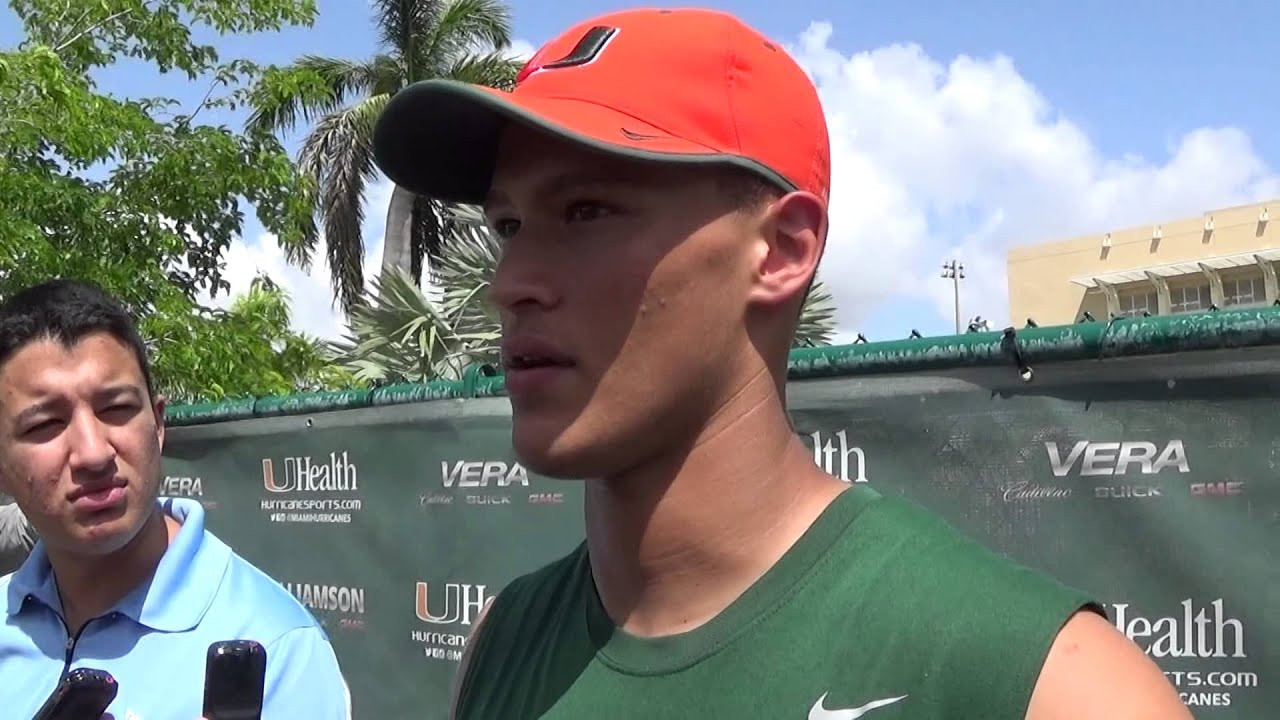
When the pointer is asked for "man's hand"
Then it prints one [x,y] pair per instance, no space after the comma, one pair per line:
[1094,672]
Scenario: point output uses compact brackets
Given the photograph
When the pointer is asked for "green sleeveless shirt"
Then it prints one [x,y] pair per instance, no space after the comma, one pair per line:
[880,610]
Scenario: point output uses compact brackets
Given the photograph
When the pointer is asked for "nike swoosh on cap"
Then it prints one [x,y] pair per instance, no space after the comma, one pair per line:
[632,135]
[818,712]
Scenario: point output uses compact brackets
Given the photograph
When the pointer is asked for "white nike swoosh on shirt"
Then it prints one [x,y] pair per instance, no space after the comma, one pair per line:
[818,712]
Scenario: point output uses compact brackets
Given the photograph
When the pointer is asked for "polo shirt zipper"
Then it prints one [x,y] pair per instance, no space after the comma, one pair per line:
[71,644]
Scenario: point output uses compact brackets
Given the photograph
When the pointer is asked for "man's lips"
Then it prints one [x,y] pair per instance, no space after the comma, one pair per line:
[96,489]
[530,353]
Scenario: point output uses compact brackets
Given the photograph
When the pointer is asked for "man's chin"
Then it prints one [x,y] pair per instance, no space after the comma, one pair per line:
[551,457]
[552,466]
[101,544]
[560,452]
[106,536]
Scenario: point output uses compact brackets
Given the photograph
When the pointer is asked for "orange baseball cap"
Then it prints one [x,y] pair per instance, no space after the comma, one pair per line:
[671,85]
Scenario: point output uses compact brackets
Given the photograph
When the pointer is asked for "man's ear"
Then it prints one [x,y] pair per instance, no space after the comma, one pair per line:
[794,235]
[158,405]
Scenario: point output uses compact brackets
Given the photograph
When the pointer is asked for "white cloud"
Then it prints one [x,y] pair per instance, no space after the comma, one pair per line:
[933,161]
[522,49]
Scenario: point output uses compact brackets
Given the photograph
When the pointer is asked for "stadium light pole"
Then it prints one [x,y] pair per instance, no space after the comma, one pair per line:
[954,271]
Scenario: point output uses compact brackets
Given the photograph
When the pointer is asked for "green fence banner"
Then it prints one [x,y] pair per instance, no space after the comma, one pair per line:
[1136,460]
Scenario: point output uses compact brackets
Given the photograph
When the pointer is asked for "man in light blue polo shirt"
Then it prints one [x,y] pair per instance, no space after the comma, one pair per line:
[121,580]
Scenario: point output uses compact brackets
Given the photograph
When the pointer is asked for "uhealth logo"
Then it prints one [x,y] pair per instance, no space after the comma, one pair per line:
[303,491]
[304,474]
[463,603]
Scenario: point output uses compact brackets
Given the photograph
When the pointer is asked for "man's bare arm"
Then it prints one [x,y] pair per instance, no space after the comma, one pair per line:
[464,663]
[1093,672]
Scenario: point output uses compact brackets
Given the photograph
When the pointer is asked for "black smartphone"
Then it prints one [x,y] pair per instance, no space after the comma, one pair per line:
[83,694]
[235,674]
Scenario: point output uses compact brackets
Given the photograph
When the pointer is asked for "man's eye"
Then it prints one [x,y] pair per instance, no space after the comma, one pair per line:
[586,211]
[505,228]
[120,409]
[44,426]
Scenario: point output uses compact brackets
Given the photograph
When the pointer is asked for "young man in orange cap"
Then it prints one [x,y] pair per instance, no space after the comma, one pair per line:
[660,179]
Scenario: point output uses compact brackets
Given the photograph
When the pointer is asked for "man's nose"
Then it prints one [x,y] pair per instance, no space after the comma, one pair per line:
[91,447]
[525,277]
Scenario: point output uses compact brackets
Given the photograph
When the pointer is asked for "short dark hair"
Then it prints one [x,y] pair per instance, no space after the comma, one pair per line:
[747,190]
[66,311]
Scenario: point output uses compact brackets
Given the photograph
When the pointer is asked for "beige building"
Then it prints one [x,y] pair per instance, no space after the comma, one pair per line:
[1223,258]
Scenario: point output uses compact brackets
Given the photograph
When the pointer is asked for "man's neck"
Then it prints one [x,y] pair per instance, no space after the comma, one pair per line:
[676,542]
[90,585]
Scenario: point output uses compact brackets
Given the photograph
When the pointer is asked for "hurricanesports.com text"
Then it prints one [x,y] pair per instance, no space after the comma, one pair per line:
[1209,689]
[311,511]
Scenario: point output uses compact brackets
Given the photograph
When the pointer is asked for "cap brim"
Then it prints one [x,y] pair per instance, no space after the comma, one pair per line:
[440,137]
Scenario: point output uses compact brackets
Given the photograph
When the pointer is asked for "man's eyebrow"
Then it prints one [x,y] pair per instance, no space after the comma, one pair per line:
[116,391]
[33,411]
[49,405]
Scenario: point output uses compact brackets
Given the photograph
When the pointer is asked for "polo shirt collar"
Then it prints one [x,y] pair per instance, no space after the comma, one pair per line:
[177,595]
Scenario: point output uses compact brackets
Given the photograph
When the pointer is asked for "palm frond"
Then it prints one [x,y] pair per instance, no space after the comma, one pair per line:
[468,259]
[817,323]
[311,88]
[463,27]
[425,233]
[389,75]
[338,154]
[398,334]
[471,214]
[495,69]
[396,21]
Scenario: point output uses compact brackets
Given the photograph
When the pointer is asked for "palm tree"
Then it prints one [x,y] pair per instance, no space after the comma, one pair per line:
[400,334]
[817,318]
[421,39]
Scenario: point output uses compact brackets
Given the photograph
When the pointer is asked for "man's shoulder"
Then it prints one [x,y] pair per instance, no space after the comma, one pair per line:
[548,581]
[561,567]
[537,596]
[927,548]
[927,589]
[527,617]
[248,591]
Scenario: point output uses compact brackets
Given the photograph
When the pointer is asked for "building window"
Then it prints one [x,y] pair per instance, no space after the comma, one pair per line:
[1244,291]
[1133,304]
[1189,299]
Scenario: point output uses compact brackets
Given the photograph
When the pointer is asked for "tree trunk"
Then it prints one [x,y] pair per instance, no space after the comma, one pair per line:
[397,242]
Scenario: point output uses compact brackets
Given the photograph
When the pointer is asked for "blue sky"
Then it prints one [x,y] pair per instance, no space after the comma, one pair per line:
[958,129]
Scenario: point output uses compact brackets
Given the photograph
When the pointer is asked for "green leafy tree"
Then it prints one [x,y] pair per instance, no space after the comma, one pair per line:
[202,356]
[136,194]
[421,39]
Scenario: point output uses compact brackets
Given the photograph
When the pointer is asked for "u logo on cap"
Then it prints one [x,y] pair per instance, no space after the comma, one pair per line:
[587,49]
